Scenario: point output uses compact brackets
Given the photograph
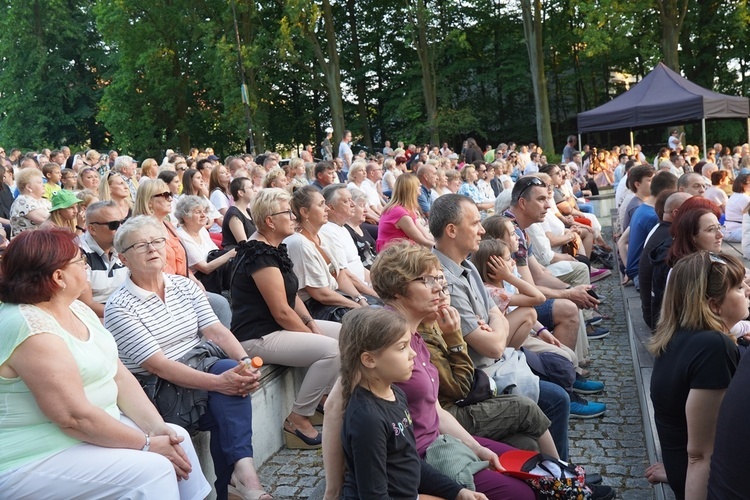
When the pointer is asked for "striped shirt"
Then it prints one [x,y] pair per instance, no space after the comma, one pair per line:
[143,325]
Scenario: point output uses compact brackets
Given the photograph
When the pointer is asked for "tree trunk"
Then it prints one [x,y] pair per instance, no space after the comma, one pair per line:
[428,72]
[671,15]
[532,30]
[359,76]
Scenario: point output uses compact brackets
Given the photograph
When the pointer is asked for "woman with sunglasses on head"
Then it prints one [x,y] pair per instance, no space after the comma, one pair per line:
[272,322]
[73,421]
[696,358]
[113,187]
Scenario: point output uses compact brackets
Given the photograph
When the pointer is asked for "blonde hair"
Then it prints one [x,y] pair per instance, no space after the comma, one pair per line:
[24,177]
[149,168]
[365,330]
[104,191]
[405,193]
[465,172]
[146,190]
[697,284]
[399,264]
[265,203]
[87,197]
[272,175]
[356,167]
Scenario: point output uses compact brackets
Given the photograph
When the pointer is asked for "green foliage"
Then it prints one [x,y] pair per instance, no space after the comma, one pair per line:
[142,76]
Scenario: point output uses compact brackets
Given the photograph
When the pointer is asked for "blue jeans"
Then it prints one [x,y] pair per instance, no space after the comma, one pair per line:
[555,403]
[230,421]
[586,208]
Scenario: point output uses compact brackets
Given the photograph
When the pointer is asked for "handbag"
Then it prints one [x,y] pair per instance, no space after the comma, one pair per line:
[180,405]
[482,387]
[221,278]
[549,477]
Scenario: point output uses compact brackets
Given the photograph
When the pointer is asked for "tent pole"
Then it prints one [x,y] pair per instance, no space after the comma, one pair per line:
[703,127]
[748,129]
[580,146]
[632,143]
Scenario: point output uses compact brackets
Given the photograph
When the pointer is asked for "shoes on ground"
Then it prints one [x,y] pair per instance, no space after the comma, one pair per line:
[602,492]
[583,385]
[594,320]
[581,408]
[596,332]
[592,478]
[599,274]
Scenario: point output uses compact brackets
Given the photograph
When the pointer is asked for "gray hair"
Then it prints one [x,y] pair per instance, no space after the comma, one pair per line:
[358,195]
[187,204]
[502,202]
[331,193]
[121,162]
[99,205]
[135,225]
[447,209]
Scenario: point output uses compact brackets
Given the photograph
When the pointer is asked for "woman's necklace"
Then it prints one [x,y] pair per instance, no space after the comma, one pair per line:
[70,323]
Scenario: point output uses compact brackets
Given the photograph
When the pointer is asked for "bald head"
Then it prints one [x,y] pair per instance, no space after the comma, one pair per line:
[674,202]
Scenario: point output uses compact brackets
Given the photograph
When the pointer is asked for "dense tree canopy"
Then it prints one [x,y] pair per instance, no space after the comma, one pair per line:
[143,76]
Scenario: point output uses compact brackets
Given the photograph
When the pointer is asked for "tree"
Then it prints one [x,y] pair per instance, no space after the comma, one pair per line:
[532,29]
[51,63]
[671,14]
[426,62]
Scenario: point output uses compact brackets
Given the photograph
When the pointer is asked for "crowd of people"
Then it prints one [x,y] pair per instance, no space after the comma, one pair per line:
[443,297]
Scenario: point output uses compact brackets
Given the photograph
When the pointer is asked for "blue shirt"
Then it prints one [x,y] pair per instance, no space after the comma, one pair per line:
[643,220]
[425,200]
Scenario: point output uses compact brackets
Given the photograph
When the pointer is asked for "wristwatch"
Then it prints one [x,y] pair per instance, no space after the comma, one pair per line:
[148,443]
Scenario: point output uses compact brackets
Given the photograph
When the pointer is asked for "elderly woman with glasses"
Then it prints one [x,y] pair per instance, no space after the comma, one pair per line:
[83,428]
[271,320]
[192,214]
[159,322]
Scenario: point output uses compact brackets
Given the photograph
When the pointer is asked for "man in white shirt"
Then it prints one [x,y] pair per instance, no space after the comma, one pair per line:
[370,186]
[675,140]
[532,167]
[340,210]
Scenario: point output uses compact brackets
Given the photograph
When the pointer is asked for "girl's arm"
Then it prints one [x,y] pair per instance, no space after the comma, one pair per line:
[528,294]
[333,454]
[409,227]
[702,412]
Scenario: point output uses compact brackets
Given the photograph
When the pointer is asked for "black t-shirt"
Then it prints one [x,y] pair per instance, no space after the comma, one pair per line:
[227,237]
[365,246]
[693,360]
[6,200]
[729,461]
[381,452]
[251,316]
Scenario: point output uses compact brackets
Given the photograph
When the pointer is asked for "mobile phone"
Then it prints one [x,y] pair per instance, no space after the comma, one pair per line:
[592,293]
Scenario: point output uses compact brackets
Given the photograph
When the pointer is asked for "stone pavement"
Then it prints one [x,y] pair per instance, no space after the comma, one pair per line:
[613,445]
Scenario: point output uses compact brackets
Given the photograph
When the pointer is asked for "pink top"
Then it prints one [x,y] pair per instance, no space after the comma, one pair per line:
[387,230]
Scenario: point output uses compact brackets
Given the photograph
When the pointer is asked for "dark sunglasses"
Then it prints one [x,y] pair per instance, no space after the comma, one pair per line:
[112,225]
[532,181]
[166,195]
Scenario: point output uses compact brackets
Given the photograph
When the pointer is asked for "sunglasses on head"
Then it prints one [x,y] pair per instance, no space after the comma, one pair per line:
[532,181]
[112,225]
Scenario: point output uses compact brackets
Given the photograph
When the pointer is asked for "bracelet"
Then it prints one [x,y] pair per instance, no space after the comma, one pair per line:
[359,298]
[148,443]
[541,330]
[80,229]
[246,358]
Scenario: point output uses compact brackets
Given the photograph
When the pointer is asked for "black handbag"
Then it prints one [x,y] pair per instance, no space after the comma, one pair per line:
[179,405]
[483,387]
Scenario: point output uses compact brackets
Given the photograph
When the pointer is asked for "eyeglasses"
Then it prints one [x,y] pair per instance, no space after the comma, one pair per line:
[82,259]
[288,212]
[112,225]
[166,195]
[712,230]
[141,247]
[430,283]
[529,181]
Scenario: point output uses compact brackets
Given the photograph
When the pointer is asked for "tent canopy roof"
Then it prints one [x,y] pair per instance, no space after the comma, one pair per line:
[662,97]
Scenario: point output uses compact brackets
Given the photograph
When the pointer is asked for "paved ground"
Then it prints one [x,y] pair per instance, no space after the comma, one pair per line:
[613,445]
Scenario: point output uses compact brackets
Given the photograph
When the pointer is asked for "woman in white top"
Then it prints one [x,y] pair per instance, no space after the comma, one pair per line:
[736,206]
[390,175]
[192,215]
[218,186]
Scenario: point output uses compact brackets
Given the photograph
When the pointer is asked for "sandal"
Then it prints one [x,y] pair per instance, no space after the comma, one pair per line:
[296,440]
[237,488]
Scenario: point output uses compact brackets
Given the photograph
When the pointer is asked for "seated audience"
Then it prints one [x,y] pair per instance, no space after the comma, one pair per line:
[363,239]
[735,207]
[400,217]
[113,187]
[238,223]
[65,213]
[340,210]
[272,322]
[88,411]
[30,209]
[192,214]
[160,322]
